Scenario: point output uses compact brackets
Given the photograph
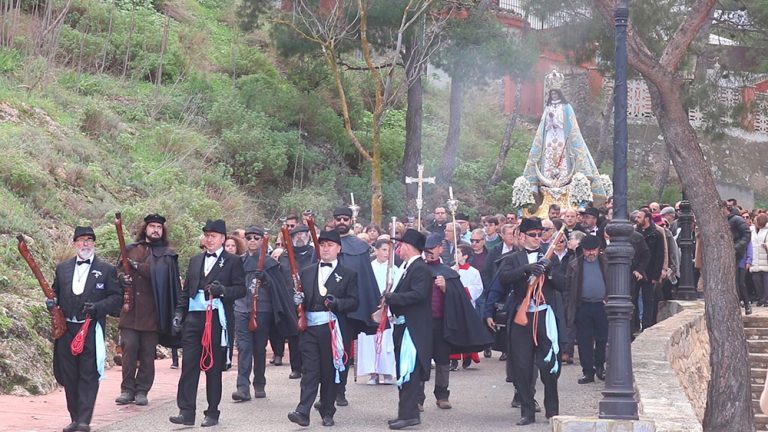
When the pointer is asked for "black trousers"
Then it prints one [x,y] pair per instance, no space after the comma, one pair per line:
[592,324]
[138,360]
[191,336]
[78,374]
[277,343]
[412,390]
[441,353]
[524,356]
[650,301]
[252,349]
[317,358]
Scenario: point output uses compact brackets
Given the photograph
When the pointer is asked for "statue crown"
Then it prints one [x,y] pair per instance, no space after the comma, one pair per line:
[554,80]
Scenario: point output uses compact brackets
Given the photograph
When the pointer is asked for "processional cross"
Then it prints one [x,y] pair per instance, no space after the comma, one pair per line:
[354,207]
[420,180]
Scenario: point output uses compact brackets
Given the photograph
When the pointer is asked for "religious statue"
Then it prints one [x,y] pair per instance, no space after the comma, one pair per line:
[560,170]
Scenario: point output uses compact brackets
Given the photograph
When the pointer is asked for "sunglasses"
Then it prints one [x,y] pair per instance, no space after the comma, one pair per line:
[535,235]
[342,218]
[290,225]
[475,240]
[252,237]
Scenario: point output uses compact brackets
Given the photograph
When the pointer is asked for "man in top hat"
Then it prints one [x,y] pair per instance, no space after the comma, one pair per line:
[585,307]
[275,312]
[86,289]
[155,279]
[590,224]
[355,254]
[213,278]
[330,293]
[515,273]
[410,304]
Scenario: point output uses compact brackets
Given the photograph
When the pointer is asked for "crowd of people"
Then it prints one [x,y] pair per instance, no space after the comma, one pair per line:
[531,288]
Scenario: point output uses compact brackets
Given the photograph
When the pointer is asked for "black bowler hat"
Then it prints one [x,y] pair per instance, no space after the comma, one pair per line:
[342,211]
[155,217]
[84,231]
[217,226]
[299,229]
[591,211]
[413,238]
[330,235]
[253,229]
[528,224]
[461,217]
[590,242]
[433,240]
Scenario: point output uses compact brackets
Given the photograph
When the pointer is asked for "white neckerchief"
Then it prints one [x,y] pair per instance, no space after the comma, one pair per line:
[80,275]
[211,260]
[323,273]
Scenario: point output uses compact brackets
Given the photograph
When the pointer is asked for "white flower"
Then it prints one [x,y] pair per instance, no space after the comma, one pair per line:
[221,262]
[607,184]
[581,190]
[522,195]
[96,273]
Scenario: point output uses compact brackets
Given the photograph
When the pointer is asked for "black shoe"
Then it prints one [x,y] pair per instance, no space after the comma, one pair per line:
[82,427]
[141,399]
[487,353]
[174,365]
[399,423]
[294,375]
[328,421]
[586,379]
[298,418]
[600,373]
[524,421]
[503,357]
[180,419]
[124,399]
[71,427]
[454,365]
[341,400]
[536,406]
[241,395]
[466,363]
[277,361]
[258,392]
[209,421]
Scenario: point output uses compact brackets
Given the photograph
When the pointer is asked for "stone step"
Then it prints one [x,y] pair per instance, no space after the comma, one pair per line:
[761,421]
[757,390]
[755,321]
[757,376]
[758,360]
[757,346]
[756,333]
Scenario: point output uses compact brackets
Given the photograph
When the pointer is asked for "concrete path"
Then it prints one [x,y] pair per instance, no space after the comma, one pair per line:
[480,397]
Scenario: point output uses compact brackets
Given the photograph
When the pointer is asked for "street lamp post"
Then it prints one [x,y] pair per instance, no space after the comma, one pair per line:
[686,290]
[619,395]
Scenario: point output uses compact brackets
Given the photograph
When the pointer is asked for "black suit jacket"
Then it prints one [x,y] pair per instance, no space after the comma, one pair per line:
[228,270]
[101,288]
[412,298]
[341,284]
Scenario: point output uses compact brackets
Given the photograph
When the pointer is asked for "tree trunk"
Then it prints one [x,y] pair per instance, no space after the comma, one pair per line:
[506,142]
[413,121]
[661,180]
[606,132]
[451,151]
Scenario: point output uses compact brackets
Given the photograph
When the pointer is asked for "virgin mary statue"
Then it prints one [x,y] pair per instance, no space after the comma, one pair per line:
[560,170]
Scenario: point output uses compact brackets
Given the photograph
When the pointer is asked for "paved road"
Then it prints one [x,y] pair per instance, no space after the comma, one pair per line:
[480,397]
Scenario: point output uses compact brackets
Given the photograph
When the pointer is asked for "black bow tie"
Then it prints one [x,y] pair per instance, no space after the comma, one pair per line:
[210,255]
[322,264]
[88,261]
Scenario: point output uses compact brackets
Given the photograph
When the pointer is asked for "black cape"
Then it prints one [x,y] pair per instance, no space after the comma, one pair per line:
[462,327]
[286,321]
[355,255]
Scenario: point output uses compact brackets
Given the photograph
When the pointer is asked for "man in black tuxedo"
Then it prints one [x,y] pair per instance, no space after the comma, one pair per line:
[86,289]
[330,293]
[410,304]
[214,278]
[515,272]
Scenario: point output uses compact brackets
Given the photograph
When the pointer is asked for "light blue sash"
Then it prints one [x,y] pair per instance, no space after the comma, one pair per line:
[101,351]
[198,303]
[552,335]
[407,355]
[321,318]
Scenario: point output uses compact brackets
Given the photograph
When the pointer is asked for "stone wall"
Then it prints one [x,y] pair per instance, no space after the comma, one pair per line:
[671,367]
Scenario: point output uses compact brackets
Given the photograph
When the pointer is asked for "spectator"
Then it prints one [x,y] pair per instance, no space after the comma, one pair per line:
[759,267]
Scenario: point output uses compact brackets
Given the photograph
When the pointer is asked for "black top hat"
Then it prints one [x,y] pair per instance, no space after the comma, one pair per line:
[342,211]
[590,242]
[84,231]
[217,226]
[331,235]
[253,229]
[154,217]
[434,240]
[413,238]
[299,229]
[528,224]
[591,211]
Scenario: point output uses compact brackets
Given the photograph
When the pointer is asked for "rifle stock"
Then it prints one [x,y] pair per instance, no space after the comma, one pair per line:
[313,233]
[253,325]
[128,294]
[535,283]
[295,274]
[58,323]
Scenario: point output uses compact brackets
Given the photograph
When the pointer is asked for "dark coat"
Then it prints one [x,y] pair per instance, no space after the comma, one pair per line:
[574,285]
[642,255]
[355,255]
[655,243]
[228,270]
[412,298]
[341,284]
[740,233]
[493,261]
[277,288]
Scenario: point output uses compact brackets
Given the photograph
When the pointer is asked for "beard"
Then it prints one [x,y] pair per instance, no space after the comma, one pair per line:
[342,228]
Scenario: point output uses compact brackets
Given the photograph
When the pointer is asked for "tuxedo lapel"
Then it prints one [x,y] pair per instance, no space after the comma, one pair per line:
[95,276]
[195,273]
[310,286]
[67,273]
[335,279]
[217,267]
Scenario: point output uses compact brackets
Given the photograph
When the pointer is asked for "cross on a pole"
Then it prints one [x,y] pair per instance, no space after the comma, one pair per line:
[420,180]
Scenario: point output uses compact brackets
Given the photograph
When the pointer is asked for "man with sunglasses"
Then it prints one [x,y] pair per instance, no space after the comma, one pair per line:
[355,255]
[516,271]
[275,313]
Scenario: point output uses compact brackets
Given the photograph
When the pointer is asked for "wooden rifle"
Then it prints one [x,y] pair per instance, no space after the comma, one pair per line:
[313,233]
[255,287]
[380,314]
[58,323]
[535,284]
[128,294]
[295,276]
